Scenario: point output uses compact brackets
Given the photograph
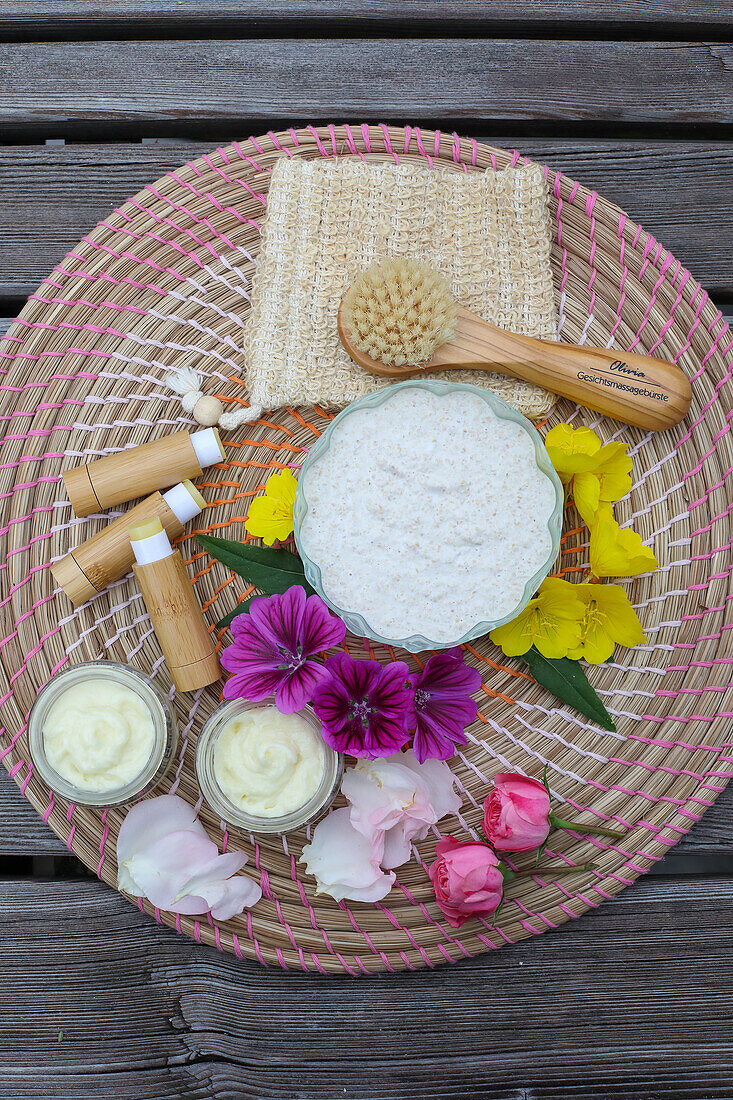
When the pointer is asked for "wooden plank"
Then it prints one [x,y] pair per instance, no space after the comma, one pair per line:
[44,19]
[22,831]
[682,192]
[601,1005]
[66,88]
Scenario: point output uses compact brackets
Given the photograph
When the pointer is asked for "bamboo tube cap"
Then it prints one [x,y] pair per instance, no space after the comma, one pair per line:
[70,576]
[80,491]
[197,675]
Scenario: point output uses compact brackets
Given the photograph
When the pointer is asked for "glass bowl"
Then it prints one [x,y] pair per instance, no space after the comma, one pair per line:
[309,812]
[164,727]
[356,622]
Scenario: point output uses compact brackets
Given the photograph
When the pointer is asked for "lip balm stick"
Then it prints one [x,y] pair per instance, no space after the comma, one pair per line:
[107,556]
[172,605]
[141,470]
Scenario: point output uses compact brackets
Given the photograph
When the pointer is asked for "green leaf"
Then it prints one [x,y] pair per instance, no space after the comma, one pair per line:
[567,682]
[272,571]
[238,610]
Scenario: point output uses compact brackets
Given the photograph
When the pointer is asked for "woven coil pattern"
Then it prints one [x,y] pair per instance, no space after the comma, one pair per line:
[163,283]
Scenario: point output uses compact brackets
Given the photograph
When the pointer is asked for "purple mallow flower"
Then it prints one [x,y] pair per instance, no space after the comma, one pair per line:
[363,707]
[271,647]
[442,706]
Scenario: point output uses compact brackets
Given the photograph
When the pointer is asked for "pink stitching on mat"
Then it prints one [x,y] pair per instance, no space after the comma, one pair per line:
[652,301]
[624,274]
[387,143]
[332,132]
[242,183]
[352,143]
[161,220]
[564,258]
[421,147]
[253,939]
[105,834]
[314,134]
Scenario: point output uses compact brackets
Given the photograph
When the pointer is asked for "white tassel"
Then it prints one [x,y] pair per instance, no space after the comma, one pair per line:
[186,382]
[207,410]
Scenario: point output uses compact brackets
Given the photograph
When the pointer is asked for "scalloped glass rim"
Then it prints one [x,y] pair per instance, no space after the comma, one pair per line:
[416,643]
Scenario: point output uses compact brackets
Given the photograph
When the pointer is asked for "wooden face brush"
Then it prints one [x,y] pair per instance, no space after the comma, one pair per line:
[400,318]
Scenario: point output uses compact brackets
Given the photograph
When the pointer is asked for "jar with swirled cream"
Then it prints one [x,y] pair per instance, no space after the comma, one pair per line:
[101,734]
[265,771]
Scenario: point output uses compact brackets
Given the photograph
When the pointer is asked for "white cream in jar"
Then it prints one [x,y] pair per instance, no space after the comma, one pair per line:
[98,735]
[268,764]
[428,514]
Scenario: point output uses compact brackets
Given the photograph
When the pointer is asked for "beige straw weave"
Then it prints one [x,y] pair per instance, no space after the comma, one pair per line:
[163,283]
[488,233]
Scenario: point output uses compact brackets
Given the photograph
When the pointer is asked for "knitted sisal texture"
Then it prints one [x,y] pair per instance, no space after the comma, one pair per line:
[488,233]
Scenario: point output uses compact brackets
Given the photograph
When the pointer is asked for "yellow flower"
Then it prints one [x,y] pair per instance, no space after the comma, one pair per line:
[271,517]
[610,479]
[550,621]
[617,552]
[572,450]
[609,620]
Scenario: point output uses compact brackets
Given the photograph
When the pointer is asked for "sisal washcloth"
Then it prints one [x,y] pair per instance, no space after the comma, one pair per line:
[488,233]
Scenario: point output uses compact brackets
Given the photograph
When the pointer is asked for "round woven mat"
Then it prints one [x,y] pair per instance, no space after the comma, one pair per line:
[164,280]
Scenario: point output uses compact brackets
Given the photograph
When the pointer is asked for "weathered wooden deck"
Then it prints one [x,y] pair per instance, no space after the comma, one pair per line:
[634,99]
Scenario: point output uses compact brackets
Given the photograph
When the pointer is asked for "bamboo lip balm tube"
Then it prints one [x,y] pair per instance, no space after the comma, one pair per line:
[107,556]
[172,605]
[141,470]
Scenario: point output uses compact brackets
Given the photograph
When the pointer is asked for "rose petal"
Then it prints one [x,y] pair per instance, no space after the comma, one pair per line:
[218,868]
[189,906]
[397,846]
[345,863]
[239,893]
[153,819]
[440,782]
[162,869]
[381,792]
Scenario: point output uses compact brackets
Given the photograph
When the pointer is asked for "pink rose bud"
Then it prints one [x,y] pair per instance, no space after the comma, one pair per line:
[467,880]
[517,813]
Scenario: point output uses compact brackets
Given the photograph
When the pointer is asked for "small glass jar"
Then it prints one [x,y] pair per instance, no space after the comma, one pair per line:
[165,733]
[311,810]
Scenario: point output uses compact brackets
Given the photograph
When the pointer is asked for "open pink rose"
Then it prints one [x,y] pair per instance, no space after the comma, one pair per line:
[517,813]
[467,880]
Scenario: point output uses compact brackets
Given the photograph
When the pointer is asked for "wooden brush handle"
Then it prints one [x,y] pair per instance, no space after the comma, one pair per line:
[648,393]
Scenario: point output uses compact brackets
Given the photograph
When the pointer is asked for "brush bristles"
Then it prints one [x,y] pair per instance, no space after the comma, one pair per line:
[400,312]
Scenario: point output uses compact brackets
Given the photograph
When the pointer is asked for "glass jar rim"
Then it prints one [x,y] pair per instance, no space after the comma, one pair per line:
[164,726]
[217,800]
[355,621]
